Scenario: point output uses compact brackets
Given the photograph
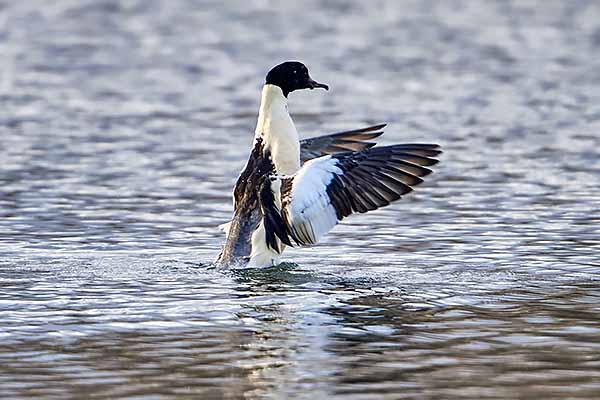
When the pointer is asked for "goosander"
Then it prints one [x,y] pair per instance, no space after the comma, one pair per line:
[291,192]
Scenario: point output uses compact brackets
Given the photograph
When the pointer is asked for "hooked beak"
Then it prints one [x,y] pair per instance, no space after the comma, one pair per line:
[314,84]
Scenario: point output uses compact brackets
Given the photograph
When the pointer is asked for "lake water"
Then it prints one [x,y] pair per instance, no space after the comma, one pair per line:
[124,124]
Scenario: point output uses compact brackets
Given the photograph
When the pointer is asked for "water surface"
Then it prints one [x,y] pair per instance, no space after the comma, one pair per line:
[125,123]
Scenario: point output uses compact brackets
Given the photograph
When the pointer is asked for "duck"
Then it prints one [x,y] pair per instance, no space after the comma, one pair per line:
[292,192]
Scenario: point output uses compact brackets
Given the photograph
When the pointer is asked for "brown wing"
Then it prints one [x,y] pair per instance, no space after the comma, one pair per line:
[354,140]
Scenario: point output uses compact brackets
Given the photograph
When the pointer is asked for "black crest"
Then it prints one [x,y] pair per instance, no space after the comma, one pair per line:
[290,76]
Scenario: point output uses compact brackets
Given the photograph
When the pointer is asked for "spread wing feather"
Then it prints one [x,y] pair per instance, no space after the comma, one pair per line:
[329,188]
[354,140]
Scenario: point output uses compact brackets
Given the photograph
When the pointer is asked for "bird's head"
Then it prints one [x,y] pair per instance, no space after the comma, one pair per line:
[290,76]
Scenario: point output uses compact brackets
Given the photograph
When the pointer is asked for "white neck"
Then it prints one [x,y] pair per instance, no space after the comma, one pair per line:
[276,128]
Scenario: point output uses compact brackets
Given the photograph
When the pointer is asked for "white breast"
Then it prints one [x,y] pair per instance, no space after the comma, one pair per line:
[277,129]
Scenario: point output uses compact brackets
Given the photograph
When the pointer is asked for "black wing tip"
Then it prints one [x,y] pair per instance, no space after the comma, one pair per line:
[366,136]
[370,130]
[436,147]
[426,171]
[424,150]
[375,127]
[361,134]
[424,146]
[373,131]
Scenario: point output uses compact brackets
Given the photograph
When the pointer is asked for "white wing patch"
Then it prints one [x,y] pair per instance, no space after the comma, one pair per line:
[310,212]
[301,208]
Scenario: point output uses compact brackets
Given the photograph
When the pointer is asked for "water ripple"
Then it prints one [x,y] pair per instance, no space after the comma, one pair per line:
[125,123]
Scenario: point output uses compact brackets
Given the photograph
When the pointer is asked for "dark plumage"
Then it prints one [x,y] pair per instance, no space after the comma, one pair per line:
[354,140]
[356,182]
[290,76]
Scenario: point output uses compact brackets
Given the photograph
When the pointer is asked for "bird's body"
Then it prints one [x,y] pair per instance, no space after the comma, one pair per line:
[279,201]
[277,135]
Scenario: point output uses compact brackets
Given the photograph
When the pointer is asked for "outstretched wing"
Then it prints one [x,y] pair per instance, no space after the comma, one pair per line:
[329,188]
[354,140]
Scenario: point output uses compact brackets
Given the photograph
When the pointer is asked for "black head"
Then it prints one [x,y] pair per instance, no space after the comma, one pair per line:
[290,76]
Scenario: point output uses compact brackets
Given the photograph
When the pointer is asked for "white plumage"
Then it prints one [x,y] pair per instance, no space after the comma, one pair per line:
[310,211]
[276,128]
[262,255]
